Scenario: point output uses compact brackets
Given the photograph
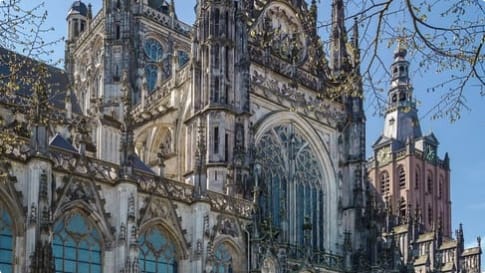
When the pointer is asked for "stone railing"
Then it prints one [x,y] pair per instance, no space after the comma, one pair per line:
[232,205]
[320,259]
[166,20]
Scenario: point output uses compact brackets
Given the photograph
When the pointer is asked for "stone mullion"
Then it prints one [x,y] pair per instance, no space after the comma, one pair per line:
[39,226]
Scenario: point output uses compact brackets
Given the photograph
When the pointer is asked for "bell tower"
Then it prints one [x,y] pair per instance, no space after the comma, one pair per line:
[220,96]
[406,171]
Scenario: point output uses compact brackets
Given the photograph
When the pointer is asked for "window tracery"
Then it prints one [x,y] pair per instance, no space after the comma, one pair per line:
[157,252]
[223,259]
[156,58]
[6,241]
[292,191]
[77,245]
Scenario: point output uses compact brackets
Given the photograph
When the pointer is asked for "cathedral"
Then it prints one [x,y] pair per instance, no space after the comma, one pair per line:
[233,145]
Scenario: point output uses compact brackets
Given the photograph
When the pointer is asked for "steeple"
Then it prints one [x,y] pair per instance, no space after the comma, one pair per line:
[401,122]
[339,56]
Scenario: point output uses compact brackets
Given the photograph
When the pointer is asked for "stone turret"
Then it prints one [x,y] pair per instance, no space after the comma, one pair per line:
[220,78]
[77,19]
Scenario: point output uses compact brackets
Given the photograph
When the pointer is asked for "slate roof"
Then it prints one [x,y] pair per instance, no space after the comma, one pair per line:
[59,142]
[140,165]
[57,81]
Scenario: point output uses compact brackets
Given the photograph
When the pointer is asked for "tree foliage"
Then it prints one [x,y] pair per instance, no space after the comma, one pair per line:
[442,36]
[22,30]
[22,44]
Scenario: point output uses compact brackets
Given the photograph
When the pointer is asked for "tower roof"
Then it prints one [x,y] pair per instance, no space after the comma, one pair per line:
[401,121]
[78,7]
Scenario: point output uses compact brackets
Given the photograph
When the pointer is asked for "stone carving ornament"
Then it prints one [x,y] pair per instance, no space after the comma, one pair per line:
[279,30]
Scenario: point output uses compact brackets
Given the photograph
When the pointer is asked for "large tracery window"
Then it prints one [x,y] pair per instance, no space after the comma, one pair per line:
[292,200]
[77,245]
[6,241]
[157,252]
[223,259]
[154,54]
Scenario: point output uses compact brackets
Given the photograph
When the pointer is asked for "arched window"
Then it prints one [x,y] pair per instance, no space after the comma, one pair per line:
[223,259]
[292,200]
[6,241]
[154,54]
[157,252]
[402,177]
[76,245]
[385,183]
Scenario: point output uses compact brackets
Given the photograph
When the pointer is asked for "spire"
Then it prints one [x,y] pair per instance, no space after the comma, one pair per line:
[339,55]
[401,121]
[172,9]
[355,44]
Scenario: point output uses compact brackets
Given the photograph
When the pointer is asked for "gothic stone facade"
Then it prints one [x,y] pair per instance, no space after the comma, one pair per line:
[232,145]
[177,148]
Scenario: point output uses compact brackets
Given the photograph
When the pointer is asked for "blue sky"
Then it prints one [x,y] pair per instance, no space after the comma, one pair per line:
[463,140]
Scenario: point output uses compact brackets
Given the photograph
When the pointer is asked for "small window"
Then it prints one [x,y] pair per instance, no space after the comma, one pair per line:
[216,140]
[118,32]
[430,182]
[402,97]
[226,147]
[417,178]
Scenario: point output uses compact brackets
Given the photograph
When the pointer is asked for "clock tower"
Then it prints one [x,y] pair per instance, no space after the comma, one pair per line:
[407,174]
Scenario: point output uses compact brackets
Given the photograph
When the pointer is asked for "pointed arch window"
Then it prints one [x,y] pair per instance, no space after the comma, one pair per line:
[157,252]
[292,200]
[154,54]
[77,245]
[6,241]
[222,259]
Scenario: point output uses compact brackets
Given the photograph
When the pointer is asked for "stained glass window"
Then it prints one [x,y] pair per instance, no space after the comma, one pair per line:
[183,58]
[151,73]
[153,50]
[6,242]
[77,245]
[154,53]
[292,190]
[157,252]
[223,259]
